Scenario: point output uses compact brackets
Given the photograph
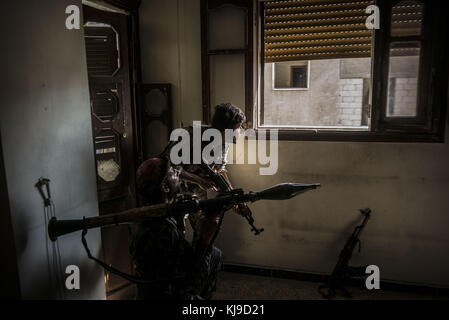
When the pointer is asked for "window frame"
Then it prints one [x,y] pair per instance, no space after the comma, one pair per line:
[207,53]
[429,124]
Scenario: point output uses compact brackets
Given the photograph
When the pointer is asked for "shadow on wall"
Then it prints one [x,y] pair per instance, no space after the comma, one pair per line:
[22,234]
[334,248]
[43,263]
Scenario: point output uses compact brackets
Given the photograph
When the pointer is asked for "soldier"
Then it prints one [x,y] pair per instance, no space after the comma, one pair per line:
[159,248]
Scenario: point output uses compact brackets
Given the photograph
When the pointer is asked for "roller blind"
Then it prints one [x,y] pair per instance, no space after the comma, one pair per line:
[316,29]
[406,19]
[124,4]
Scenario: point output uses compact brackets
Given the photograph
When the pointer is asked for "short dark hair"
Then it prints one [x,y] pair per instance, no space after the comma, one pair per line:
[227,116]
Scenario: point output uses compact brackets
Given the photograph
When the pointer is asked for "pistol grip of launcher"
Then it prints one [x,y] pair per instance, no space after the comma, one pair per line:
[246,212]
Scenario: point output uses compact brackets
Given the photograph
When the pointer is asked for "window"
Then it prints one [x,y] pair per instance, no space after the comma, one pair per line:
[362,84]
[332,39]
[411,72]
[227,54]
[403,79]
[375,85]
[316,72]
[290,75]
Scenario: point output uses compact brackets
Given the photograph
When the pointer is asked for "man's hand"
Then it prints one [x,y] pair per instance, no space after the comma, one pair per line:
[203,182]
[206,184]
[208,227]
[241,209]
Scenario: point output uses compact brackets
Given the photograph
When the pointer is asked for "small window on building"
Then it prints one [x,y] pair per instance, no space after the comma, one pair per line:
[291,75]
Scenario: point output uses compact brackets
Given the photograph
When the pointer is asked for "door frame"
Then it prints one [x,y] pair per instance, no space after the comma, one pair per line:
[130,53]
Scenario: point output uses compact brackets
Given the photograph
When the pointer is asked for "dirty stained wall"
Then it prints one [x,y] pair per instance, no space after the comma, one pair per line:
[405,184]
[46,132]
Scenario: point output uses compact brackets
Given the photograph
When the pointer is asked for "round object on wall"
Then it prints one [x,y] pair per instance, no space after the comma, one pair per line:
[108,170]
[155,103]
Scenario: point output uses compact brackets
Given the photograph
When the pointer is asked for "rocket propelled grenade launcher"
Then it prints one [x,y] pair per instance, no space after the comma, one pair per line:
[283,191]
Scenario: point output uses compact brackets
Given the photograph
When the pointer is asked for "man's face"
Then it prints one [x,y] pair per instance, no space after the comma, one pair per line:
[171,182]
[237,129]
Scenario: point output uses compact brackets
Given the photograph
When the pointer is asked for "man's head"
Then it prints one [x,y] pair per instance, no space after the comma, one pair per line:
[157,181]
[227,116]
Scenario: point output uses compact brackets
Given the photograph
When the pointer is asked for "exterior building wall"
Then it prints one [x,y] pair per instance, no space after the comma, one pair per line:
[335,96]
[402,95]
[404,103]
[314,106]
[350,104]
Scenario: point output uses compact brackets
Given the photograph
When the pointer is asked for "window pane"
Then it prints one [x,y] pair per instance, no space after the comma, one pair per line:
[227,28]
[407,19]
[337,95]
[403,79]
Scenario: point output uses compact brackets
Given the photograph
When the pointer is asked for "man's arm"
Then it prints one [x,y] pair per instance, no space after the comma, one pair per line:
[202,182]
[225,175]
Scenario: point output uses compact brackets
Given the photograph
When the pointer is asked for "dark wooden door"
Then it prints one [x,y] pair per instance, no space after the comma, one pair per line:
[107,52]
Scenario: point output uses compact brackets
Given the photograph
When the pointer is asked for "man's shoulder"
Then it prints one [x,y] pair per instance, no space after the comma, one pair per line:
[203,128]
[151,168]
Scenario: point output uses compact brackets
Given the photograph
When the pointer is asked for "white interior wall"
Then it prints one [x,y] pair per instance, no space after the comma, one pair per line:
[46,131]
[170,40]
[405,184]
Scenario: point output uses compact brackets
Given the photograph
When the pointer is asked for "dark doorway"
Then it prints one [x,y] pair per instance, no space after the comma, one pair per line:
[107,52]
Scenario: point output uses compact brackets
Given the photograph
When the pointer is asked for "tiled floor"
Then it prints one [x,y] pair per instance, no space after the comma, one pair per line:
[236,286]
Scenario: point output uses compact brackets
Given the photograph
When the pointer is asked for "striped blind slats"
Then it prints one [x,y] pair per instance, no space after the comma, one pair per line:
[322,48]
[328,42]
[316,29]
[408,16]
[407,8]
[315,36]
[314,22]
[311,3]
[406,19]
[311,8]
[314,15]
[319,55]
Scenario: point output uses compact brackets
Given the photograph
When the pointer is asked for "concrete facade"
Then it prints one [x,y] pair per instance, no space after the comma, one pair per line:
[403,86]
[402,98]
[350,103]
[335,96]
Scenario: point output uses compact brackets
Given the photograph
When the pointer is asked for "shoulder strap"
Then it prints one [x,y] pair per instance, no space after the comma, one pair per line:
[111,269]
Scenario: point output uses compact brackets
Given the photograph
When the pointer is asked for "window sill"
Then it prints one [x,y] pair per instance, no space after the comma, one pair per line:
[290,89]
[354,136]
